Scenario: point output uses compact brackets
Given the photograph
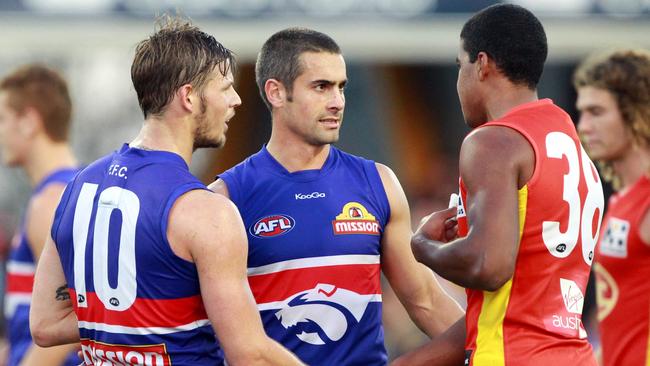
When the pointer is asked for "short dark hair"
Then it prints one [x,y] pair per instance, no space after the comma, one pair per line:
[280,56]
[45,90]
[178,53]
[513,37]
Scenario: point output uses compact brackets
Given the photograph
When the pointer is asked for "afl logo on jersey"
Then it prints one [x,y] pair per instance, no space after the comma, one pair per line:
[271,226]
[355,219]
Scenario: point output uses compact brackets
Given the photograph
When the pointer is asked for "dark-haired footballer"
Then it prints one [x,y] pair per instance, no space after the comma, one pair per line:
[530,207]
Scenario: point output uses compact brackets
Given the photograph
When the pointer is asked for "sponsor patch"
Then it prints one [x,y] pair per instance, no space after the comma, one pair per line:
[273,225]
[355,219]
[568,319]
[310,196]
[96,353]
[614,243]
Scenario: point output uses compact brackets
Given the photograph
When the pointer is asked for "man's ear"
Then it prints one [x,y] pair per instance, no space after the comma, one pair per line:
[484,65]
[275,92]
[31,122]
[187,97]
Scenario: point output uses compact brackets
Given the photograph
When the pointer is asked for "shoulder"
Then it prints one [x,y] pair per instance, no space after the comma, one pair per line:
[388,177]
[201,219]
[247,168]
[496,153]
[347,157]
[202,205]
[47,198]
[496,145]
[219,186]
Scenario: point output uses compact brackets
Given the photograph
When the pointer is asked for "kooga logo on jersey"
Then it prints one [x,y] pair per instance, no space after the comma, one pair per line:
[300,196]
[271,226]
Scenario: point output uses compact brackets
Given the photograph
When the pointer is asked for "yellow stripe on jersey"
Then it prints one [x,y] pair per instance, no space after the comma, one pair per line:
[489,340]
[647,353]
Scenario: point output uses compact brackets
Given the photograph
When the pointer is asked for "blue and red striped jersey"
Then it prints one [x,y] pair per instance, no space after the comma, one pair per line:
[20,280]
[314,254]
[136,301]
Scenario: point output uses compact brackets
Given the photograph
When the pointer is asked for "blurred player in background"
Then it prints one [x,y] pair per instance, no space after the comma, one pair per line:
[322,224]
[152,259]
[614,103]
[531,203]
[35,113]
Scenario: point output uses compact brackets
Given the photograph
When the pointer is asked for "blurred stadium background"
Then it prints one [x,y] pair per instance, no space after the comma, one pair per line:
[402,108]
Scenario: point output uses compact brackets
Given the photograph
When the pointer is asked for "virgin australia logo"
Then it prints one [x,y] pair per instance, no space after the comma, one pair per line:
[318,315]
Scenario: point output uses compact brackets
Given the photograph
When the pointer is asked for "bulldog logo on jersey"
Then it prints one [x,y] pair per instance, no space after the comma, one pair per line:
[318,316]
[273,225]
[355,219]
[614,243]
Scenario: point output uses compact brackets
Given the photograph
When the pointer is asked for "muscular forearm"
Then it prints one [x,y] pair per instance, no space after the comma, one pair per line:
[278,356]
[440,312]
[51,323]
[445,350]
[265,352]
[37,356]
[457,262]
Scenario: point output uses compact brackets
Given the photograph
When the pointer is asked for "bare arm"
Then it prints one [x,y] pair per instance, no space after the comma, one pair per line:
[40,214]
[219,186]
[207,229]
[445,350]
[52,320]
[494,163]
[428,305]
[38,356]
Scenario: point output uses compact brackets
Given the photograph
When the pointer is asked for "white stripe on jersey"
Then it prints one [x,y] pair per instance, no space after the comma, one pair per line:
[13,299]
[275,305]
[119,329]
[334,260]
[20,268]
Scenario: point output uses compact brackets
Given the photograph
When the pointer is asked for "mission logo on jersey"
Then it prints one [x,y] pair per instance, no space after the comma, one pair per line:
[355,219]
[114,354]
[271,226]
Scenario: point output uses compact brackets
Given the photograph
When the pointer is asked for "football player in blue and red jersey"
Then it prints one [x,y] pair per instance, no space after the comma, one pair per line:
[323,224]
[35,111]
[155,263]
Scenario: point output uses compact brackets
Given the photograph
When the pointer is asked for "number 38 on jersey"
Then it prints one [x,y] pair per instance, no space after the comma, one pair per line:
[562,239]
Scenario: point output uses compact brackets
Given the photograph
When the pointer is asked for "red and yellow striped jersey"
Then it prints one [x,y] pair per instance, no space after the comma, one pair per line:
[535,318]
[622,270]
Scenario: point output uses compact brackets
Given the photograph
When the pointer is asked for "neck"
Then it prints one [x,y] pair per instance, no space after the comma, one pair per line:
[46,157]
[632,166]
[166,134]
[504,96]
[295,154]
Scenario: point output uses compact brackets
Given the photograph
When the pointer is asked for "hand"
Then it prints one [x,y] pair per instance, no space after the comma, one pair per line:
[440,226]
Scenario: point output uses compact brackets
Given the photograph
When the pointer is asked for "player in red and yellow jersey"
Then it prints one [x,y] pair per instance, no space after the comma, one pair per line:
[530,206]
[614,104]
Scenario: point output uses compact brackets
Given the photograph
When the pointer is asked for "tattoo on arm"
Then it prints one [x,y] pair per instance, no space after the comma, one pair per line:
[62,293]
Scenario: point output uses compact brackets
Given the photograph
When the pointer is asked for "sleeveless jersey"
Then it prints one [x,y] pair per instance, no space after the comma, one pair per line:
[314,254]
[535,318]
[20,280]
[136,301]
[622,270]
